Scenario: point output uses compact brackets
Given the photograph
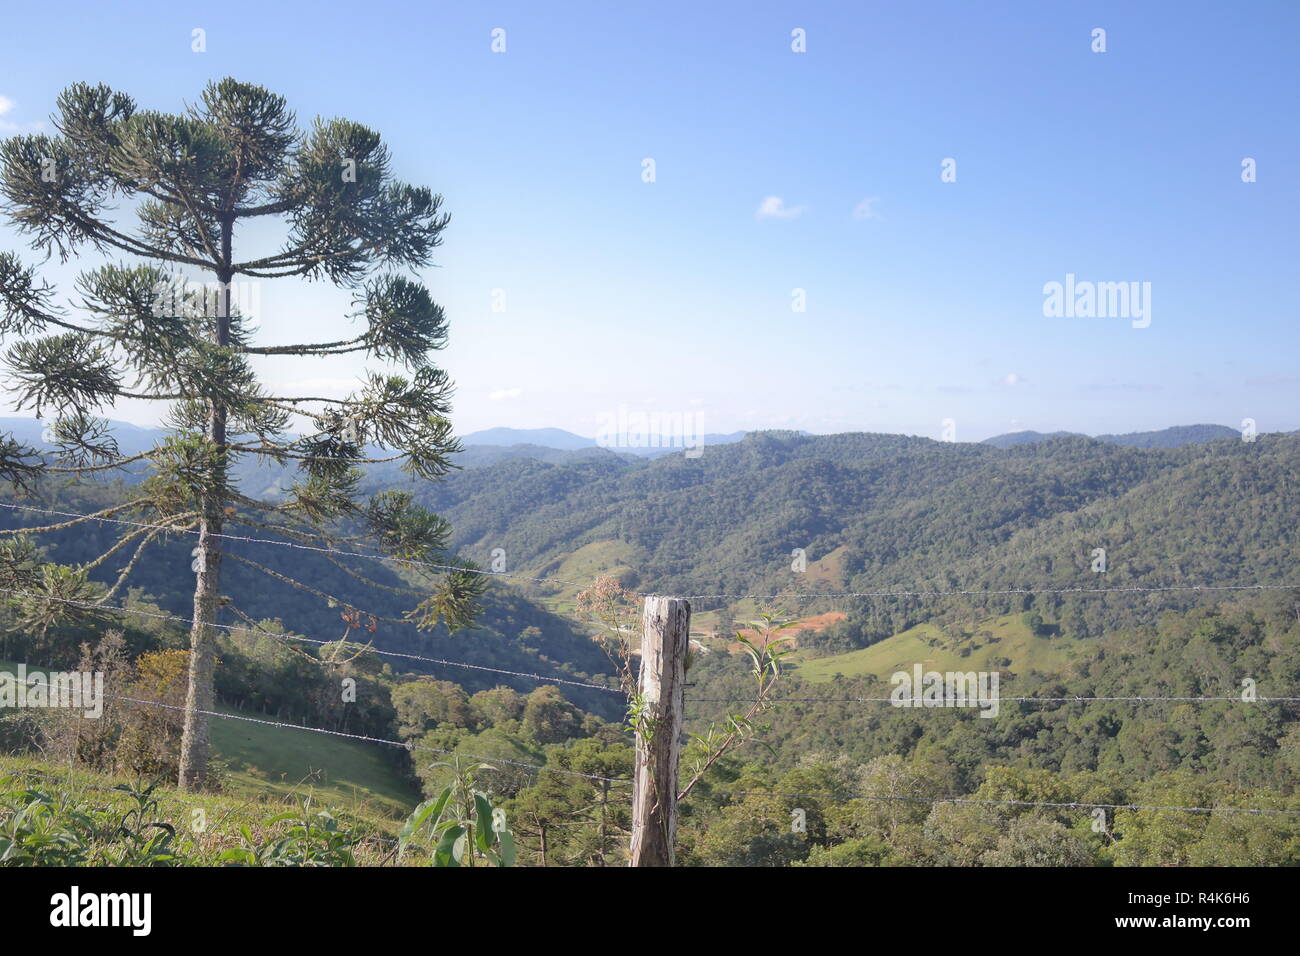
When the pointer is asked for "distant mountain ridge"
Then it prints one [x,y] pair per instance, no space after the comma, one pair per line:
[483,456]
[1174,437]
[1015,439]
[560,439]
[556,445]
[545,437]
[557,438]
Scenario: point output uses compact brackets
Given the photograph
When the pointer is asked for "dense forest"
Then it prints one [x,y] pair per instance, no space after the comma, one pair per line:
[896,514]
[871,784]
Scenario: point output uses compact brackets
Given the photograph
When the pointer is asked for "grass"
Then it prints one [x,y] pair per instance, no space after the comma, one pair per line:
[596,559]
[925,644]
[830,569]
[617,558]
[207,822]
[591,561]
[262,762]
[280,761]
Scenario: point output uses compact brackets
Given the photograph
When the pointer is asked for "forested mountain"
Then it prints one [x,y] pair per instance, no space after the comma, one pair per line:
[560,440]
[556,438]
[512,633]
[890,513]
[1026,437]
[901,523]
[1164,438]
[1172,437]
[873,513]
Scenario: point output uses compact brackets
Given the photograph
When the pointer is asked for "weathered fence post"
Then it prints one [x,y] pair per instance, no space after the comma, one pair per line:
[665,638]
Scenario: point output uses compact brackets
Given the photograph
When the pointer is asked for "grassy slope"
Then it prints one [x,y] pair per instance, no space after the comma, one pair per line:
[618,558]
[340,772]
[591,561]
[597,558]
[274,762]
[829,569]
[924,644]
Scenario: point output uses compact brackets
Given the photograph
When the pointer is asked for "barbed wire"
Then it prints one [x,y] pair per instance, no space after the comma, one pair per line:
[932,705]
[969,592]
[958,800]
[792,595]
[248,539]
[408,746]
[1060,805]
[236,628]
[804,596]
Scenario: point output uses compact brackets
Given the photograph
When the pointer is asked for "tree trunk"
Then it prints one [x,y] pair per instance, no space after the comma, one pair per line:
[665,640]
[200,694]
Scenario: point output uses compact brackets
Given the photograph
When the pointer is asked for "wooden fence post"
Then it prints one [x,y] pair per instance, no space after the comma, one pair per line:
[665,638]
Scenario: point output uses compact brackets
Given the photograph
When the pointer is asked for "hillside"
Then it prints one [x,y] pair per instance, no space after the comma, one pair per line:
[1174,437]
[885,513]
[512,633]
[872,513]
[1001,643]
[264,763]
[272,761]
[556,438]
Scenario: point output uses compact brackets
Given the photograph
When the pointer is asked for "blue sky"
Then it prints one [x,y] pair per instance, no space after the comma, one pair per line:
[924,298]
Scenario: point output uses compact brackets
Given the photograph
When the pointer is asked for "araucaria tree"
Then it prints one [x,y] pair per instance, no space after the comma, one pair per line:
[166,194]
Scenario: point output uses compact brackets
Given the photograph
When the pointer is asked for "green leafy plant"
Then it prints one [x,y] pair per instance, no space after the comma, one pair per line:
[766,651]
[315,838]
[144,838]
[460,825]
[39,829]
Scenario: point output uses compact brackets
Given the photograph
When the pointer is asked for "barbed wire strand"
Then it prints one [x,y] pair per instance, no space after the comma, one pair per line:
[612,690]
[812,595]
[248,539]
[1060,805]
[236,628]
[975,592]
[931,705]
[368,739]
[407,746]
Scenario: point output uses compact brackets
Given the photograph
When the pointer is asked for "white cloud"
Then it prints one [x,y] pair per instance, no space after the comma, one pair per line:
[503,393]
[7,126]
[774,207]
[1013,379]
[865,210]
